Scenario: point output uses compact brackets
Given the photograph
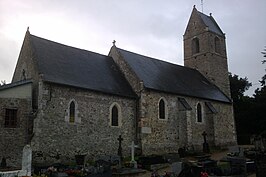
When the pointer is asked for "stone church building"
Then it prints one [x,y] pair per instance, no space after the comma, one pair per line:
[65,101]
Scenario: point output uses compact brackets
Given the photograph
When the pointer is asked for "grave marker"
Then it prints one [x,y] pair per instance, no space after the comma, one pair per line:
[119,151]
[133,162]
[206,148]
[26,160]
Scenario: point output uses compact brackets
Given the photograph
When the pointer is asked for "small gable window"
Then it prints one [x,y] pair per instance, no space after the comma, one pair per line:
[162,109]
[217,45]
[199,113]
[11,118]
[115,115]
[195,46]
[72,112]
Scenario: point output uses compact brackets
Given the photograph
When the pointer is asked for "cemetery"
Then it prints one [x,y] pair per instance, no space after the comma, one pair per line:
[237,161]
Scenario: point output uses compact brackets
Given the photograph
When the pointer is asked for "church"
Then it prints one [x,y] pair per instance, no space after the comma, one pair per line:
[65,101]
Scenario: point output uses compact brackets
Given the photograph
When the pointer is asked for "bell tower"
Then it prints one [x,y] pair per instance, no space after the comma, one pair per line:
[205,49]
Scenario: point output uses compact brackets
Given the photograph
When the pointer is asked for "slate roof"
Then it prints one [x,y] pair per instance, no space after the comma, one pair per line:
[211,23]
[167,77]
[15,84]
[71,66]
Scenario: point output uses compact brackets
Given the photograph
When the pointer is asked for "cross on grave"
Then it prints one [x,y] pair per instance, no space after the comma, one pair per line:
[206,148]
[119,151]
[133,146]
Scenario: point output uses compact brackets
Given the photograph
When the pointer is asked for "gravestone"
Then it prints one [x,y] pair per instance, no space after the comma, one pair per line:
[237,165]
[3,163]
[26,160]
[177,167]
[206,148]
[260,143]
[236,151]
[133,162]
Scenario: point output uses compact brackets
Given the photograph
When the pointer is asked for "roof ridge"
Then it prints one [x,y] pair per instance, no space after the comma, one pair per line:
[65,45]
[151,57]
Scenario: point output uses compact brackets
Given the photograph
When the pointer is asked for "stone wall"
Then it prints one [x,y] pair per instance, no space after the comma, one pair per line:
[224,126]
[12,140]
[164,136]
[57,140]
[181,127]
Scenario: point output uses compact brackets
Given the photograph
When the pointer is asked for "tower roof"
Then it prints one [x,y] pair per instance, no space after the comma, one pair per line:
[202,22]
[210,23]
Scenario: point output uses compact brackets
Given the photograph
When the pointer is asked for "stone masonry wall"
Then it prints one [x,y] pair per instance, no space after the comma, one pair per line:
[164,136]
[181,127]
[57,140]
[224,126]
[12,140]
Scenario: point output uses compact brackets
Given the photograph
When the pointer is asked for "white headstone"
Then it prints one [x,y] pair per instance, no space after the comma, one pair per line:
[26,160]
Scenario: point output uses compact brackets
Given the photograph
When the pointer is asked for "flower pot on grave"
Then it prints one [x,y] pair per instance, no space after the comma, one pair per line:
[80,159]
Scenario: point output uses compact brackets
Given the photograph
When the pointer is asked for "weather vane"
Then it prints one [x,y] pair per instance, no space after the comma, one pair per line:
[202,6]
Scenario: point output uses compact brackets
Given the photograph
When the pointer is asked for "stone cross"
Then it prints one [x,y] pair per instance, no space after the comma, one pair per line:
[133,146]
[26,160]
[206,148]
[119,151]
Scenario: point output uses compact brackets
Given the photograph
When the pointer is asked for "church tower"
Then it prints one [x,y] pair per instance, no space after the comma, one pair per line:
[205,49]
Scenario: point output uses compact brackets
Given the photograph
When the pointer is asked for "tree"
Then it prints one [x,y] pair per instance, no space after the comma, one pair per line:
[260,101]
[242,107]
[264,55]
[238,86]
[263,79]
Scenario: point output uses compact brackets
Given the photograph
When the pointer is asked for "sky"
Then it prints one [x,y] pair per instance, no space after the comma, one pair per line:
[153,28]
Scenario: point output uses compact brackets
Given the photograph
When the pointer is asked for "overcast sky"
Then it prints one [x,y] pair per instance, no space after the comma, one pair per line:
[150,27]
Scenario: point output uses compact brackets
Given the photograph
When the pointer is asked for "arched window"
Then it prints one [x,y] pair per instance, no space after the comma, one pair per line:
[162,109]
[72,110]
[114,121]
[115,115]
[199,113]
[217,45]
[195,46]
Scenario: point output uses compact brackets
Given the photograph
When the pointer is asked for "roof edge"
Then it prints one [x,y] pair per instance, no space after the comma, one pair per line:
[94,90]
[16,84]
[172,93]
